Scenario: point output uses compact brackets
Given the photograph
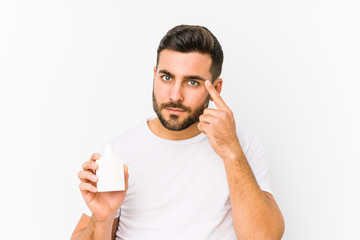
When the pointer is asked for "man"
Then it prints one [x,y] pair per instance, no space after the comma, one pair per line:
[193,174]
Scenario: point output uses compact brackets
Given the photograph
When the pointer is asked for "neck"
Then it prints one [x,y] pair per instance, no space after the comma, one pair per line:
[159,130]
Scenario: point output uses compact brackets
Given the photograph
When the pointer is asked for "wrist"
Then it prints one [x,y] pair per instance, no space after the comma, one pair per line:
[104,219]
[233,154]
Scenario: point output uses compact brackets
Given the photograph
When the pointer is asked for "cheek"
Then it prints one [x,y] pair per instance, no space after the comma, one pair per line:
[159,91]
[197,97]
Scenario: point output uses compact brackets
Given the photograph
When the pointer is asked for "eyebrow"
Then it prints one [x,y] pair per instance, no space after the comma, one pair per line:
[195,77]
[167,73]
[187,77]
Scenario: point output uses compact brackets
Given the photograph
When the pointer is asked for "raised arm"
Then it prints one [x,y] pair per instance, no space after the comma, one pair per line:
[255,213]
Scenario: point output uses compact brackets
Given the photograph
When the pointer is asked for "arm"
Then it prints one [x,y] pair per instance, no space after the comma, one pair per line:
[89,228]
[255,213]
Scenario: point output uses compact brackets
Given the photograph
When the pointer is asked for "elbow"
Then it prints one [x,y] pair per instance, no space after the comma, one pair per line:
[273,227]
[274,230]
[271,230]
[281,229]
[276,233]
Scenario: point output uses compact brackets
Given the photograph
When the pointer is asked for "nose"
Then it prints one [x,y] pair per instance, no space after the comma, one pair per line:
[176,94]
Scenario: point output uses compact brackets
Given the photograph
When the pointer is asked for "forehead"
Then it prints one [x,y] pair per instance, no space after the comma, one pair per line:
[184,63]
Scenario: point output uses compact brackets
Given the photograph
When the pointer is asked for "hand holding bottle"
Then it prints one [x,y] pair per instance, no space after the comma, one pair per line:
[103,205]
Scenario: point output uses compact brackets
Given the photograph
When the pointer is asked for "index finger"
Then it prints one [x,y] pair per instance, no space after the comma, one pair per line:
[90,165]
[95,156]
[219,102]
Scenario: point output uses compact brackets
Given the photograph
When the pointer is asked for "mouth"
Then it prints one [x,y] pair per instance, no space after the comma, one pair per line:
[174,110]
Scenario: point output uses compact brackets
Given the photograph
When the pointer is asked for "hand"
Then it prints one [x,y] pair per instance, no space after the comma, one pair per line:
[219,125]
[103,205]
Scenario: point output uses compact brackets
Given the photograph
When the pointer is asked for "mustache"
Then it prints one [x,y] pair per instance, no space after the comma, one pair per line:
[175,105]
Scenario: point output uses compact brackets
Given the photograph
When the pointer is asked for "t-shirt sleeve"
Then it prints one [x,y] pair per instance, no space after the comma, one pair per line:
[254,151]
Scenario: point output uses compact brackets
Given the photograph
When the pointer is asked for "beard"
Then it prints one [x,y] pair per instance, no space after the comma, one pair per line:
[174,124]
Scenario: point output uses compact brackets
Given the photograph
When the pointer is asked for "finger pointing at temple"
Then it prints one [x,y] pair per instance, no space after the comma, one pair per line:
[219,102]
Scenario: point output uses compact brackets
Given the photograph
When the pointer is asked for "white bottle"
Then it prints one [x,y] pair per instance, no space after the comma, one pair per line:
[110,172]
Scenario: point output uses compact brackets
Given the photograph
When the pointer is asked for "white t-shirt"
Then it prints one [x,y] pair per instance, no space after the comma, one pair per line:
[178,188]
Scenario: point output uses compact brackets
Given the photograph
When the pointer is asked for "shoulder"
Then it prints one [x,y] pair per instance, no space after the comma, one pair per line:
[249,140]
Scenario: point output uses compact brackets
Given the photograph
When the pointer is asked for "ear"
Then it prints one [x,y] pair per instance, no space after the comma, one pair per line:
[218,86]
[154,74]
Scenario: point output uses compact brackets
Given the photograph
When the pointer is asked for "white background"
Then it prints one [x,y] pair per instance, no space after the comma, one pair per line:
[76,73]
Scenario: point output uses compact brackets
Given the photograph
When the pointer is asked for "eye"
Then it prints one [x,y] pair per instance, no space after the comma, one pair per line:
[166,78]
[193,83]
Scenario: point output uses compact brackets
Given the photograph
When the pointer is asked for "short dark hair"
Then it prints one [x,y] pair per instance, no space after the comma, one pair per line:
[193,38]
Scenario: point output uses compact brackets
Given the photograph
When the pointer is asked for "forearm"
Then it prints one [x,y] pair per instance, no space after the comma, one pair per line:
[255,216]
[96,230]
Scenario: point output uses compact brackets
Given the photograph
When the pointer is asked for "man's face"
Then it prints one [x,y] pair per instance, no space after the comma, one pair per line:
[179,94]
